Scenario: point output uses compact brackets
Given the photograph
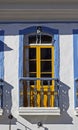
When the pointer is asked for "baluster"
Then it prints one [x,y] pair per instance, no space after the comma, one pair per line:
[28,92]
[42,94]
[21,93]
[76,90]
[56,94]
[1,96]
[49,93]
[1,92]
[35,93]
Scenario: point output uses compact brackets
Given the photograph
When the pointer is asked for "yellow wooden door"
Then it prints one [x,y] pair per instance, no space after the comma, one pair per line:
[39,63]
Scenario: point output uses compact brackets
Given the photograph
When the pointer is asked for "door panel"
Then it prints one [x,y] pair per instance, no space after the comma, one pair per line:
[46,61]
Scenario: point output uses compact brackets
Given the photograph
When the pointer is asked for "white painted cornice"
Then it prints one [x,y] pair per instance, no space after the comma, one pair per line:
[39,111]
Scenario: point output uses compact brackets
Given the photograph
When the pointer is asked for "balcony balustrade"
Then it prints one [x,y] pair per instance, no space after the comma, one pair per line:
[43,99]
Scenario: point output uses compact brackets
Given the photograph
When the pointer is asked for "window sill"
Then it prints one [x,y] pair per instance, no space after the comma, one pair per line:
[1,111]
[39,111]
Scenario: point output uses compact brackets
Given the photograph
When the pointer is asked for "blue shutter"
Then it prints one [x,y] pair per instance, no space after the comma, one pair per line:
[21,56]
[56,55]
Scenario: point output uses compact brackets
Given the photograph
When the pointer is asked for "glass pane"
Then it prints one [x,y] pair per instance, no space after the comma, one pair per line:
[32,66]
[46,53]
[38,40]
[32,53]
[32,74]
[45,82]
[46,66]
[32,39]
[46,39]
[46,76]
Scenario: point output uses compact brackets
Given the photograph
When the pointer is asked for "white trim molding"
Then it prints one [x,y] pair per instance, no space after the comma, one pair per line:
[76,111]
[1,111]
[39,111]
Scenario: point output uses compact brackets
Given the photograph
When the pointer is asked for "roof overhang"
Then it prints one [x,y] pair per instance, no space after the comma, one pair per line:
[39,10]
[39,15]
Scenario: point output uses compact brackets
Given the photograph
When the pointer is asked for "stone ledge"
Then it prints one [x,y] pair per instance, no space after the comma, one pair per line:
[39,111]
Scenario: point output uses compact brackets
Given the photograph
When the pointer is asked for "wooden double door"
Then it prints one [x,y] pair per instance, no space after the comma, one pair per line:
[38,62]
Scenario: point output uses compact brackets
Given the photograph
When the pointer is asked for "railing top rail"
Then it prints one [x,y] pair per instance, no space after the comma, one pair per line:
[31,78]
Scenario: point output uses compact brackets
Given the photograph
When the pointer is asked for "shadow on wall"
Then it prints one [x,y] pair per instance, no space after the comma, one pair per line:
[4,47]
[7,95]
[7,118]
[26,128]
[64,117]
[7,105]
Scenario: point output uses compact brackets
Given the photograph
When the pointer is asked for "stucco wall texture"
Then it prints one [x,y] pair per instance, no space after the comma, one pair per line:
[67,119]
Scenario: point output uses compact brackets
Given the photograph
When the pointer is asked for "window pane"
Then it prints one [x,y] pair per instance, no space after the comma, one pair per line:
[38,38]
[32,74]
[46,66]
[32,39]
[46,76]
[46,39]
[46,53]
[32,66]
[45,82]
[32,53]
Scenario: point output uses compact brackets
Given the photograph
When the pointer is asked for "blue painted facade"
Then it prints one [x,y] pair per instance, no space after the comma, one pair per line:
[65,57]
